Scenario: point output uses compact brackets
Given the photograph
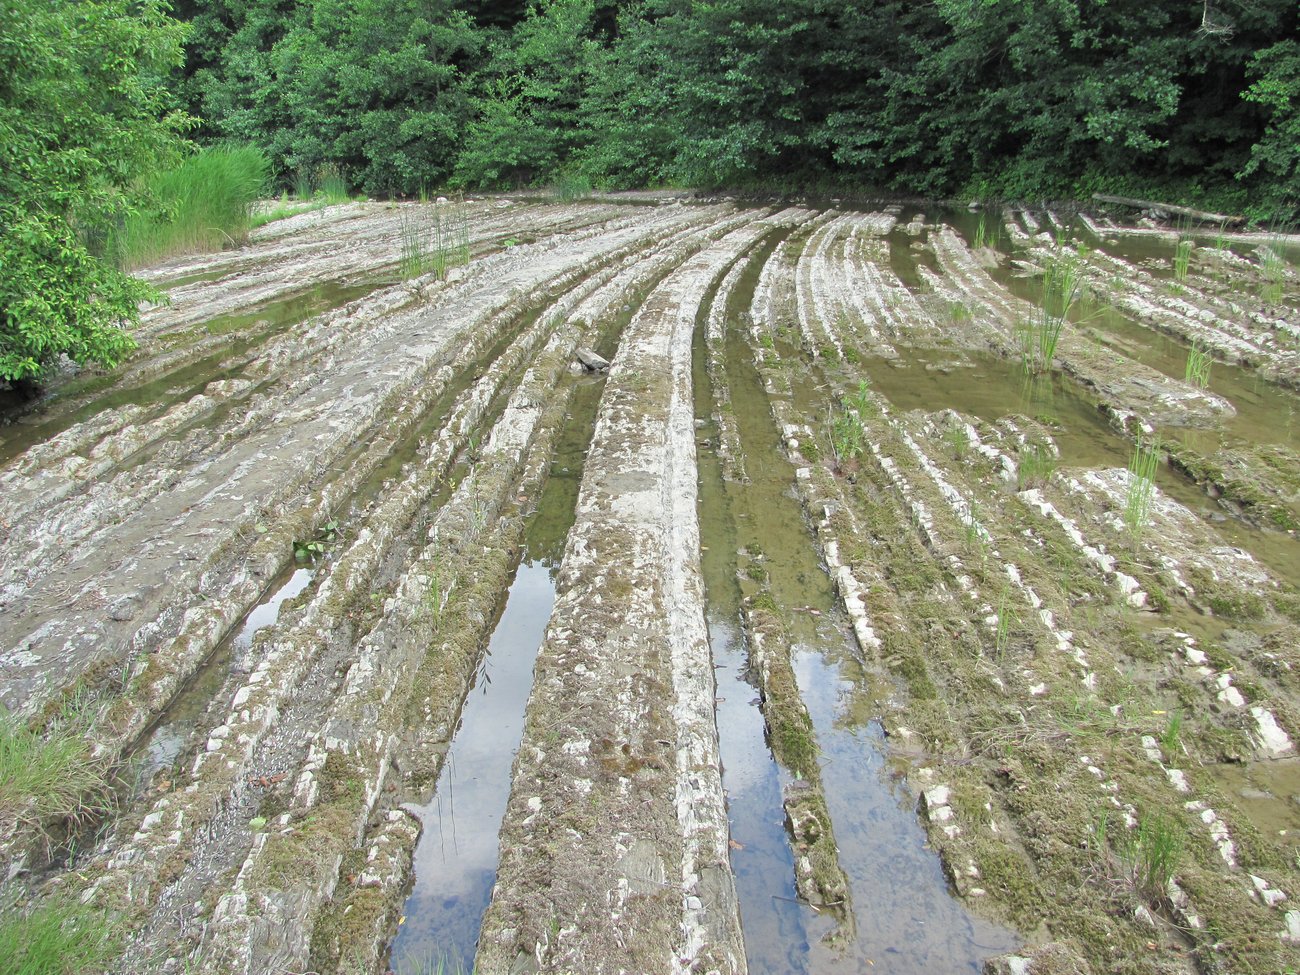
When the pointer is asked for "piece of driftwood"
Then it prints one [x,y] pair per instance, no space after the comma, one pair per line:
[1170,208]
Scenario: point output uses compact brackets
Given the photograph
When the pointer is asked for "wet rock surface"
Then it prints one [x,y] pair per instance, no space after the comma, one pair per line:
[1059,652]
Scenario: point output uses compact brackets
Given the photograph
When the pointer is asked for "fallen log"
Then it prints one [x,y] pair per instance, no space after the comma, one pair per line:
[1201,215]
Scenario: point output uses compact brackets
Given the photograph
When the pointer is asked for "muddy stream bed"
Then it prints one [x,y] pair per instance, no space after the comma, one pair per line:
[839,626]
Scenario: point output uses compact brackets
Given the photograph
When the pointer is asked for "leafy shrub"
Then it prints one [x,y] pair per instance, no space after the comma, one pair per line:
[83,115]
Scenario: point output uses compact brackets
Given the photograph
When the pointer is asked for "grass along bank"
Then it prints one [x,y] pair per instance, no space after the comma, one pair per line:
[57,938]
[46,779]
[203,204]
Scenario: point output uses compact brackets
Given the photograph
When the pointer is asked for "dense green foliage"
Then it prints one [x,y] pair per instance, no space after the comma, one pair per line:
[85,113]
[1275,158]
[1007,97]
[375,87]
[527,120]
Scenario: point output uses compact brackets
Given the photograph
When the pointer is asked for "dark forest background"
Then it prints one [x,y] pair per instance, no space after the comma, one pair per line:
[1013,98]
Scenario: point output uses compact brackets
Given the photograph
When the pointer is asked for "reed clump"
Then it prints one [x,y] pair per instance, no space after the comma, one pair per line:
[1141,486]
[203,204]
[1198,366]
[1062,284]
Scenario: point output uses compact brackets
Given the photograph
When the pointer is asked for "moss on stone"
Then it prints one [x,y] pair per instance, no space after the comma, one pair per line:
[342,941]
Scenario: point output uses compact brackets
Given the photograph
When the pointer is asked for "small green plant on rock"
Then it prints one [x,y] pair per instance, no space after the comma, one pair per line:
[310,549]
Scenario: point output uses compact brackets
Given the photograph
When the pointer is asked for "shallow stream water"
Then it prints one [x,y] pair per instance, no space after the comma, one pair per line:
[175,727]
[902,916]
[247,331]
[456,857]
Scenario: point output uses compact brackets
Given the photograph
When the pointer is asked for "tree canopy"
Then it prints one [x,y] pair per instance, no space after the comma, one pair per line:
[1009,97]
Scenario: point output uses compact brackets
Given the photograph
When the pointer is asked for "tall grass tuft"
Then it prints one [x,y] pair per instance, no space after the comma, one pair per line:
[57,938]
[1062,284]
[415,256]
[48,777]
[1034,466]
[202,205]
[1182,259]
[302,187]
[860,401]
[986,235]
[847,437]
[1173,730]
[1152,853]
[1274,272]
[460,231]
[848,434]
[330,184]
[1198,366]
[572,186]
[433,239]
[1147,856]
[1141,486]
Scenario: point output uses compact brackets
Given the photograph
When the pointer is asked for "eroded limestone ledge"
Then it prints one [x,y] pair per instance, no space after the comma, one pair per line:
[614,846]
